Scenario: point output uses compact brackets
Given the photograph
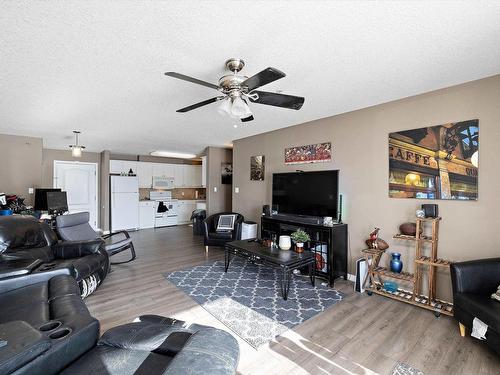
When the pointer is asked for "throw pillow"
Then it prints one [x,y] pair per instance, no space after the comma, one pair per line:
[496,295]
[226,222]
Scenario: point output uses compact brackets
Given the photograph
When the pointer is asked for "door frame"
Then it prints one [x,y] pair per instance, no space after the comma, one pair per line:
[97,190]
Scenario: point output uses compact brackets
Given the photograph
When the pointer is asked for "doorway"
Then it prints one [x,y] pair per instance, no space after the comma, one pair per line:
[79,181]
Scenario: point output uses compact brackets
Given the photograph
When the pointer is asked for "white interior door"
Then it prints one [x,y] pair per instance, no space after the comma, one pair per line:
[79,181]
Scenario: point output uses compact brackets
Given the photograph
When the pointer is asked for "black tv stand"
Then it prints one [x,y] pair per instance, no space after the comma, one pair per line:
[329,243]
[314,220]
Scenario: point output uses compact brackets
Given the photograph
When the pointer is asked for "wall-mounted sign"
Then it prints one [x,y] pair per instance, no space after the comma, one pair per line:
[437,162]
[316,153]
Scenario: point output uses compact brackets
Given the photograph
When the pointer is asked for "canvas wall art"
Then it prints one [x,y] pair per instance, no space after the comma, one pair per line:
[226,173]
[316,153]
[437,162]
[257,168]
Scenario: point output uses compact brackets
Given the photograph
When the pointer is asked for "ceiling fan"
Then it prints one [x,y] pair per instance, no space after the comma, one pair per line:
[236,89]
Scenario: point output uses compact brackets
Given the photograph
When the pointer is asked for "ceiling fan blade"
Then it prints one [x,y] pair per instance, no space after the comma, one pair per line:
[200,104]
[246,119]
[262,78]
[278,100]
[191,79]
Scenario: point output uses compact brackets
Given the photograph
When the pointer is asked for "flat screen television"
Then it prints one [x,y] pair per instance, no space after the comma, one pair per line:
[57,201]
[306,193]
[41,198]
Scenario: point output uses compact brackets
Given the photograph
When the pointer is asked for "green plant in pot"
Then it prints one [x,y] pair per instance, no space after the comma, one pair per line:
[299,237]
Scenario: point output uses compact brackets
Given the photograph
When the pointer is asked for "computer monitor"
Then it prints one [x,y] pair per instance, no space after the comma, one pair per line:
[41,198]
[57,201]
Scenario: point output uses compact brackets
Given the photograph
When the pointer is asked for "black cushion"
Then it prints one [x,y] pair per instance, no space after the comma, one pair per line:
[223,235]
[30,304]
[482,307]
[20,232]
[23,344]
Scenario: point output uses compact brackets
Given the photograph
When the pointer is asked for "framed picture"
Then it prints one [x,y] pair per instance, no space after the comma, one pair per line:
[316,153]
[436,162]
[226,173]
[257,168]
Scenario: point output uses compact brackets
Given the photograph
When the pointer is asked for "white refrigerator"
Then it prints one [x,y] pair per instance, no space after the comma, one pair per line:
[124,202]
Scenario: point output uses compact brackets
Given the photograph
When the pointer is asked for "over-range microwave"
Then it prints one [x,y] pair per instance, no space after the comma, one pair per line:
[162,182]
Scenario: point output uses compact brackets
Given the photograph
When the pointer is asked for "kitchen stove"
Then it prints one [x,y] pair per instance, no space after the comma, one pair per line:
[165,208]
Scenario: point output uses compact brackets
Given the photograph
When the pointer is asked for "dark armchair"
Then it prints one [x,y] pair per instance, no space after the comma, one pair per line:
[214,238]
[473,284]
[76,227]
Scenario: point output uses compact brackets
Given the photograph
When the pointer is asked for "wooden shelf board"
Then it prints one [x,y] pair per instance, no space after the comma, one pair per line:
[406,276]
[439,306]
[438,262]
[429,218]
[412,238]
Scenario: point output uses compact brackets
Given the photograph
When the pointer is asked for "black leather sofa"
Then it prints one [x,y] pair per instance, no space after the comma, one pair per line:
[45,328]
[214,238]
[23,238]
[473,284]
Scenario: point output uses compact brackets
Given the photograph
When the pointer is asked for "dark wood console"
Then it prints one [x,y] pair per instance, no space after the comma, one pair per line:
[329,243]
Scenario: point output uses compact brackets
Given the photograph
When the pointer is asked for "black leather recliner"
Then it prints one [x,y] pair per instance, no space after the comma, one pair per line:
[25,238]
[214,238]
[45,329]
[473,284]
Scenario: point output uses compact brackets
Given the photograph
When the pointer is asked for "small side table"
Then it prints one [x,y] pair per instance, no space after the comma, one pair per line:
[372,257]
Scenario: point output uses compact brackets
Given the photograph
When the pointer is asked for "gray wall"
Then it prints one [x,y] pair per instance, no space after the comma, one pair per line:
[219,201]
[20,162]
[360,152]
[104,193]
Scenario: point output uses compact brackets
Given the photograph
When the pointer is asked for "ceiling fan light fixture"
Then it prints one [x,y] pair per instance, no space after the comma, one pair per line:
[225,107]
[76,149]
[240,108]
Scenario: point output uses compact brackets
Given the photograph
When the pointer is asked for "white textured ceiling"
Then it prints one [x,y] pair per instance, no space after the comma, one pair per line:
[97,66]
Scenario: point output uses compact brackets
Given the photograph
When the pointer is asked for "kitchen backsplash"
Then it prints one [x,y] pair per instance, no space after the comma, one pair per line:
[189,193]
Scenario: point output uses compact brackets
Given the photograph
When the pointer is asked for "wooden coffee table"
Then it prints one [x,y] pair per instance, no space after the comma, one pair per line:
[285,260]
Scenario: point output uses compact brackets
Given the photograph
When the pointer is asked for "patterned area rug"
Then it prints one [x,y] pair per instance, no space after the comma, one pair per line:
[404,369]
[247,298]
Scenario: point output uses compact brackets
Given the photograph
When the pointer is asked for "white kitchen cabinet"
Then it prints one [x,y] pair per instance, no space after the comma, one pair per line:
[168,170]
[184,210]
[190,176]
[197,176]
[157,169]
[122,166]
[204,171]
[146,214]
[179,173]
[145,174]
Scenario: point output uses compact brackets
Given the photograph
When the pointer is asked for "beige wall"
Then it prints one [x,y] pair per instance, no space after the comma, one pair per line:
[219,201]
[360,152]
[20,162]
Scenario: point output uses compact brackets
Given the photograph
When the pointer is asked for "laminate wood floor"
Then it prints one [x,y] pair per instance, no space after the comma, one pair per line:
[359,335]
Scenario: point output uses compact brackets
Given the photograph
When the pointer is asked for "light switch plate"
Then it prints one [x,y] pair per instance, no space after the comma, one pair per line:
[215,189]
[236,190]
[31,190]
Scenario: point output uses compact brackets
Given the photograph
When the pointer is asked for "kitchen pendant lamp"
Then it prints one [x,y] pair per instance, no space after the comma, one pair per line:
[76,149]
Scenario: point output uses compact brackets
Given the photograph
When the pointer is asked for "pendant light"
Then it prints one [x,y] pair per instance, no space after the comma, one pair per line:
[76,149]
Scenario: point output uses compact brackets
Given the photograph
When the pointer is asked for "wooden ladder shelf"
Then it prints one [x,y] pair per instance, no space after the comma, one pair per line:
[376,273]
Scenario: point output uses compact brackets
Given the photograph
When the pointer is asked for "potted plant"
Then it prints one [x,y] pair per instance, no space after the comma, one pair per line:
[299,237]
